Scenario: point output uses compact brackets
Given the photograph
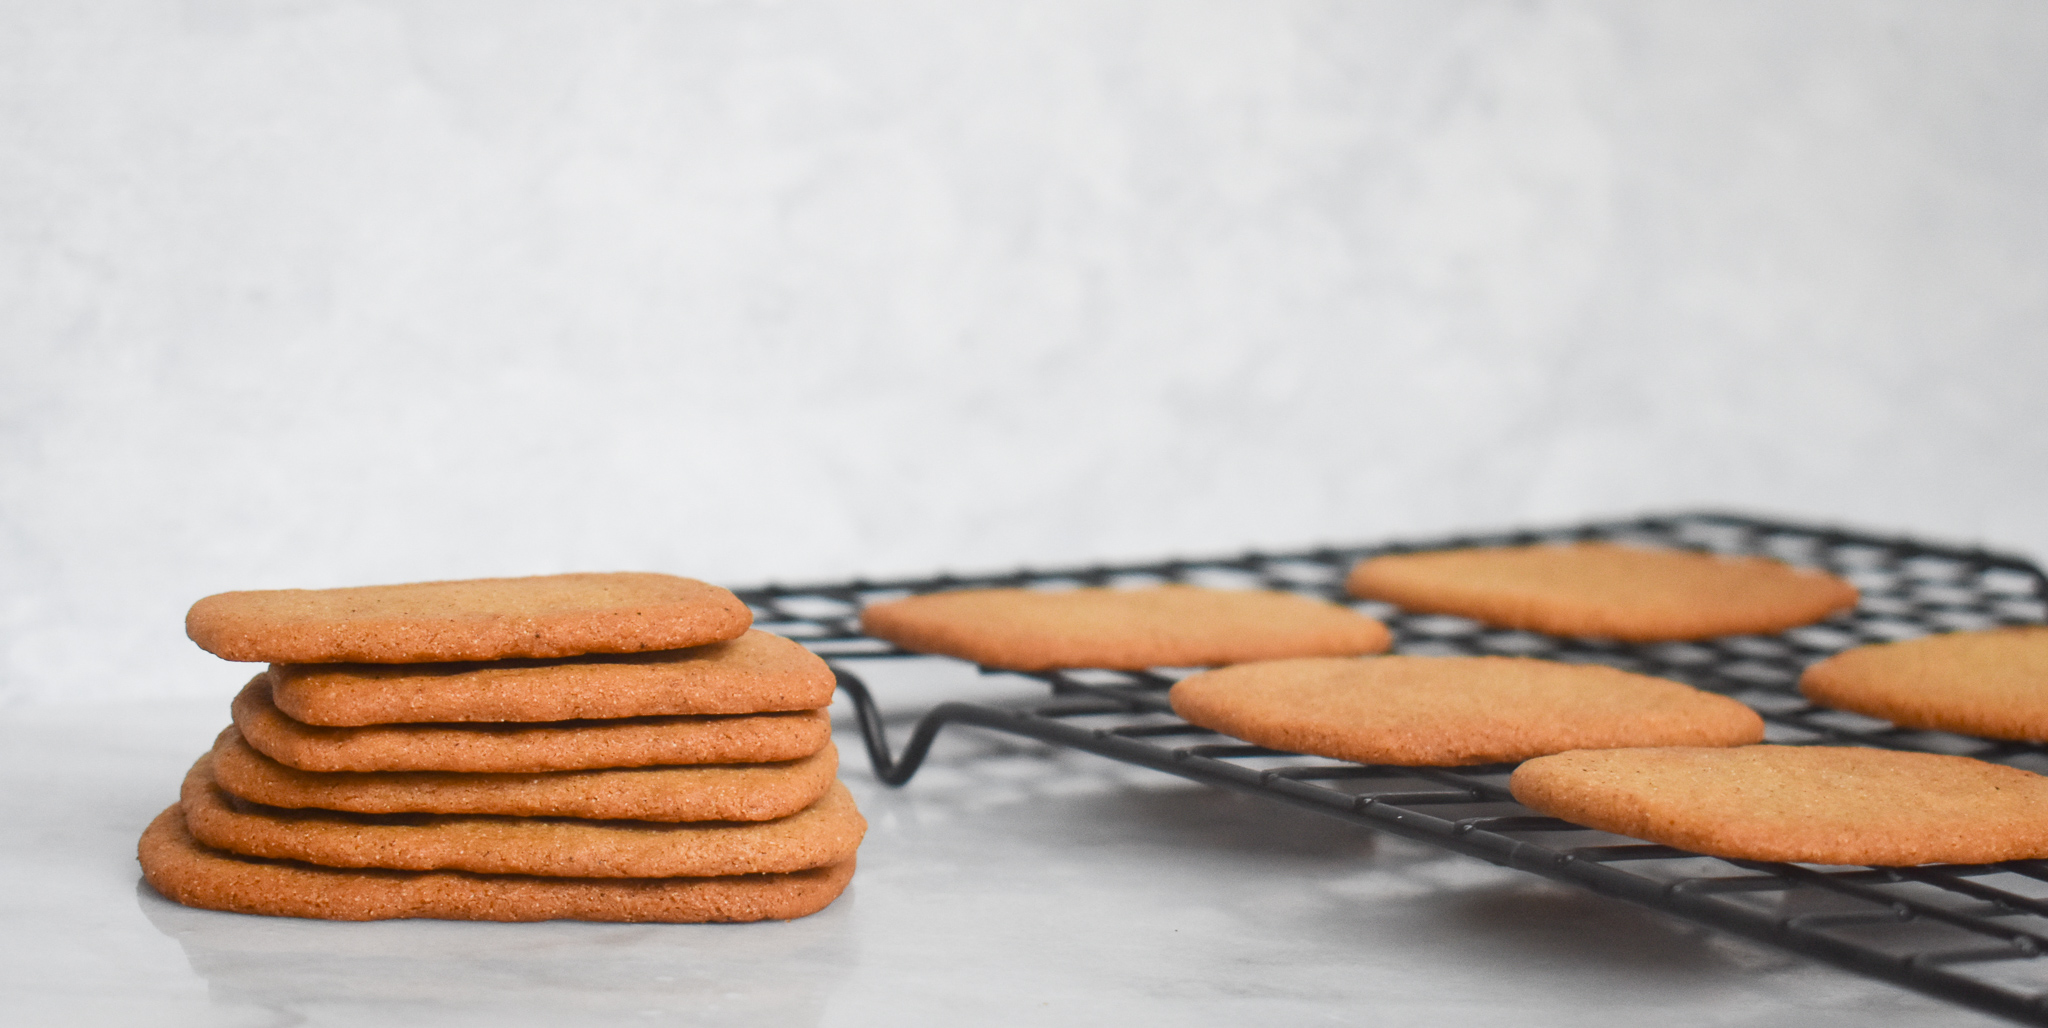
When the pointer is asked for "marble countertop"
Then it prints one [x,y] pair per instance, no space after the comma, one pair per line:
[1008,883]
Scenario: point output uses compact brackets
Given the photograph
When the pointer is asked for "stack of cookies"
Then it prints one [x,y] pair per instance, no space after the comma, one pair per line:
[606,747]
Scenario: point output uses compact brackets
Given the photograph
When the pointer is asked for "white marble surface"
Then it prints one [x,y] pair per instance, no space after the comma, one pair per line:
[330,292]
[1007,884]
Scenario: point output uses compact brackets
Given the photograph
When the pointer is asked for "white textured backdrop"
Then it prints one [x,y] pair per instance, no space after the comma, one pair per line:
[324,293]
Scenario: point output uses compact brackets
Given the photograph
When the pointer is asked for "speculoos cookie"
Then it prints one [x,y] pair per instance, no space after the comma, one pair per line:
[1445,711]
[826,832]
[527,747]
[1129,629]
[1991,683]
[184,871]
[712,792]
[1809,804]
[477,619]
[752,674]
[1603,589]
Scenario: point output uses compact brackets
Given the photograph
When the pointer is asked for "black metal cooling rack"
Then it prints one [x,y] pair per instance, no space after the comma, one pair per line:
[1975,935]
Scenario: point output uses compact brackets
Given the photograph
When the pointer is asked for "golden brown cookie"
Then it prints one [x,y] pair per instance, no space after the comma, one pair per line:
[711,792]
[1601,589]
[1444,711]
[1812,804]
[1991,683]
[752,674]
[523,747]
[478,619]
[184,871]
[1129,629]
[827,832]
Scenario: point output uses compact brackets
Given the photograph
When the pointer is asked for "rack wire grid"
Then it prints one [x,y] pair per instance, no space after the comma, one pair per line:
[1973,935]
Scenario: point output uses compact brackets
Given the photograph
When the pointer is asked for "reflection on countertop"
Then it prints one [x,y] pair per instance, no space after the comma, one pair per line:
[553,972]
[1007,884]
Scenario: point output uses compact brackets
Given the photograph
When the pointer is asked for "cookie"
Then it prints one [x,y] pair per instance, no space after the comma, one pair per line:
[527,747]
[1813,804]
[714,792]
[1128,629]
[752,674]
[1991,683]
[1601,589]
[478,619]
[183,871]
[827,832]
[1444,711]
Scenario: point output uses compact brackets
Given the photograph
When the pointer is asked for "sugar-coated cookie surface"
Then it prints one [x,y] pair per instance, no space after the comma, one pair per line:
[522,747]
[1811,804]
[183,871]
[1163,626]
[1446,711]
[752,674]
[1992,683]
[827,832]
[478,619]
[1604,589]
[713,792]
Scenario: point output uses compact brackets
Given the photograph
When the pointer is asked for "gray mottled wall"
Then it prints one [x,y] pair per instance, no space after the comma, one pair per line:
[326,293]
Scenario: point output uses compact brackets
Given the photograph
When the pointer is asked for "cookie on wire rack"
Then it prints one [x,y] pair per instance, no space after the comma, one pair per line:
[1808,804]
[1630,593]
[1449,711]
[1992,683]
[1121,629]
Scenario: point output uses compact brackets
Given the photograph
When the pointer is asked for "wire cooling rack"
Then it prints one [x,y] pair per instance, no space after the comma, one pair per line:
[1974,935]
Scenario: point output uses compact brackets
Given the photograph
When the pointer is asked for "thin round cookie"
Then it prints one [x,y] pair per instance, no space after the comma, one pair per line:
[755,673]
[523,747]
[1448,711]
[712,792]
[1603,589]
[477,619]
[1807,804]
[1991,683]
[183,871]
[1126,629]
[827,832]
